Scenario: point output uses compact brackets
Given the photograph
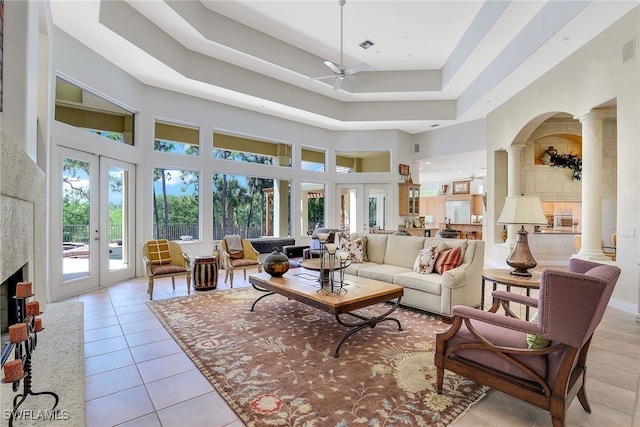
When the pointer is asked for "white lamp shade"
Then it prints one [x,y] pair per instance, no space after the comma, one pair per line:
[331,247]
[323,237]
[522,210]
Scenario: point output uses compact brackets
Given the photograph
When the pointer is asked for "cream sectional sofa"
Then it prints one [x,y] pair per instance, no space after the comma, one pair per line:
[391,259]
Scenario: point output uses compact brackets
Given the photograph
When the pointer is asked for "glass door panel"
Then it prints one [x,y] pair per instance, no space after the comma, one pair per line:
[79,216]
[377,206]
[117,220]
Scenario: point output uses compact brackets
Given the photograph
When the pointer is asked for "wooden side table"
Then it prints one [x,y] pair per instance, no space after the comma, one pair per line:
[501,276]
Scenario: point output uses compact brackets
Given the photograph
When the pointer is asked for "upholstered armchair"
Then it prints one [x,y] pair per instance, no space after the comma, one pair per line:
[243,257]
[163,258]
[492,348]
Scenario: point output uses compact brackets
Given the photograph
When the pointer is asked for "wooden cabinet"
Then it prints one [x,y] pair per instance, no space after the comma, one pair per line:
[409,199]
[441,211]
[547,208]
[477,205]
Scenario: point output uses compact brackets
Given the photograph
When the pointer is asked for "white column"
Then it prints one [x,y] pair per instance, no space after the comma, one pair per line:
[513,185]
[592,185]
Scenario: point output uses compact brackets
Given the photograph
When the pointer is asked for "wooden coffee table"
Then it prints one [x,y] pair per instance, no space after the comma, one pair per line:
[361,292]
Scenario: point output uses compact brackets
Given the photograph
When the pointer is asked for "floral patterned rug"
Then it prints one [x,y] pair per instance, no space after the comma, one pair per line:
[275,366]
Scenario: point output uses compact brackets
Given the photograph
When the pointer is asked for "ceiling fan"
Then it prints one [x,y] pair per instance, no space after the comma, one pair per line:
[473,175]
[340,72]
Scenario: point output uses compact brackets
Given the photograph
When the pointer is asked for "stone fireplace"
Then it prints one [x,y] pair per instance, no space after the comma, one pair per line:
[22,218]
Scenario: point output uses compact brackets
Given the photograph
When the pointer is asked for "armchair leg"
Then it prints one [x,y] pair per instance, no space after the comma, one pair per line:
[173,282]
[231,278]
[584,401]
[188,284]
[150,288]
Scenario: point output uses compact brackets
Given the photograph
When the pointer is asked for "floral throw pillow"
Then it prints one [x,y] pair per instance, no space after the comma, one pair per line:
[426,260]
[355,248]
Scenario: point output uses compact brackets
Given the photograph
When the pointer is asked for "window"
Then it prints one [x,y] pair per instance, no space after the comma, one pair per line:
[312,206]
[175,138]
[363,161]
[84,109]
[312,159]
[230,147]
[175,204]
[250,206]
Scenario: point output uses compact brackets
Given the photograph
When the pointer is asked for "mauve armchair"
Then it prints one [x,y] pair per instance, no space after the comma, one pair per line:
[491,348]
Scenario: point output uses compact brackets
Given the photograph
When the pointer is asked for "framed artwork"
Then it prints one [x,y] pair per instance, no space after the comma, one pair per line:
[461,187]
[403,170]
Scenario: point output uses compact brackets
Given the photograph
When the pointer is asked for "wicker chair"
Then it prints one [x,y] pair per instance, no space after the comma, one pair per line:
[249,260]
[174,263]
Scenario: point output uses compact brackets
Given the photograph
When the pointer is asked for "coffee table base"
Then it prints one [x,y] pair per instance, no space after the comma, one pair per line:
[357,326]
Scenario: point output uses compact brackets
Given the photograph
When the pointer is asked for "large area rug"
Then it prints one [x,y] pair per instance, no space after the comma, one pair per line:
[275,366]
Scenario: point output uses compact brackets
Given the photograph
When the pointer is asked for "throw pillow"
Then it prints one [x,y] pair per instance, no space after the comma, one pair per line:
[425,260]
[534,341]
[355,248]
[159,251]
[453,259]
[440,261]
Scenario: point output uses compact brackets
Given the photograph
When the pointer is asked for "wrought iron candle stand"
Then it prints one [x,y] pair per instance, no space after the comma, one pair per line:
[23,351]
[322,238]
[335,287]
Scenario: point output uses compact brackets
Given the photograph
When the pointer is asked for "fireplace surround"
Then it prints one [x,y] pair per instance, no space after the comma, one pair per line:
[22,217]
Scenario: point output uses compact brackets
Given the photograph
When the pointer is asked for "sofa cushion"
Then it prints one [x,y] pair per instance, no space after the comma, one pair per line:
[426,260]
[383,272]
[354,268]
[421,282]
[377,246]
[402,250]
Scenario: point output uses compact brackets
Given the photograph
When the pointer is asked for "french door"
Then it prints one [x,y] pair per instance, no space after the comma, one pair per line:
[362,207]
[96,221]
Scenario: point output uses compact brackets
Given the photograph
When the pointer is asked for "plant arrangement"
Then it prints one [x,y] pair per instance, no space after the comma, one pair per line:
[569,161]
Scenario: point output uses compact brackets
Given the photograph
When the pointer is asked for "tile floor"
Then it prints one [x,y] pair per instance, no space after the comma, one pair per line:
[136,375]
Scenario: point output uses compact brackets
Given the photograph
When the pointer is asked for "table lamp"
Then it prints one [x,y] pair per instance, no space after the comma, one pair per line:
[522,210]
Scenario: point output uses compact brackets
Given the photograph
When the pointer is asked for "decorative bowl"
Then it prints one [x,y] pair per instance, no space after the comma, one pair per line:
[186,238]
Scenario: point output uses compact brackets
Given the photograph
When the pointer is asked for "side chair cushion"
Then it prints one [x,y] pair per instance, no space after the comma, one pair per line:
[158,270]
[499,337]
[159,251]
[244,262]
[534,341]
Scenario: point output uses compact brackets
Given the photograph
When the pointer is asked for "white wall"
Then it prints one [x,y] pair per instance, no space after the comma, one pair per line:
[591,77]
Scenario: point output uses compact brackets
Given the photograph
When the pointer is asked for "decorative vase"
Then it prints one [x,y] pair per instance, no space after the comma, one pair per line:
[276,263]
[548,153]
[443,189]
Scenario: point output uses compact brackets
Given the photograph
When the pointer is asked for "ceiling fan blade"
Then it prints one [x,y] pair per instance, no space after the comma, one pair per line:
[357,68]
[338,83]
[333,67]
[333,76]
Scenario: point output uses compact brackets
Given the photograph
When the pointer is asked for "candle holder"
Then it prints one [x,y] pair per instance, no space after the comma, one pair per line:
[23,351]
[322,238]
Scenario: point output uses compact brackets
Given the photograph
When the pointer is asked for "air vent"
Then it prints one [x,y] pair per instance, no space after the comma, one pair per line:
[366,44]
[416,148]
[628,50]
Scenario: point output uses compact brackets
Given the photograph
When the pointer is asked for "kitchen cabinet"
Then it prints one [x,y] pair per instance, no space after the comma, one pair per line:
[409,199]
[477,205]
[441,210]
[548,208]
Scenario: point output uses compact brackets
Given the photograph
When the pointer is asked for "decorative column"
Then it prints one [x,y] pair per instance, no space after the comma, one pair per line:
[592,184]
[514,188]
